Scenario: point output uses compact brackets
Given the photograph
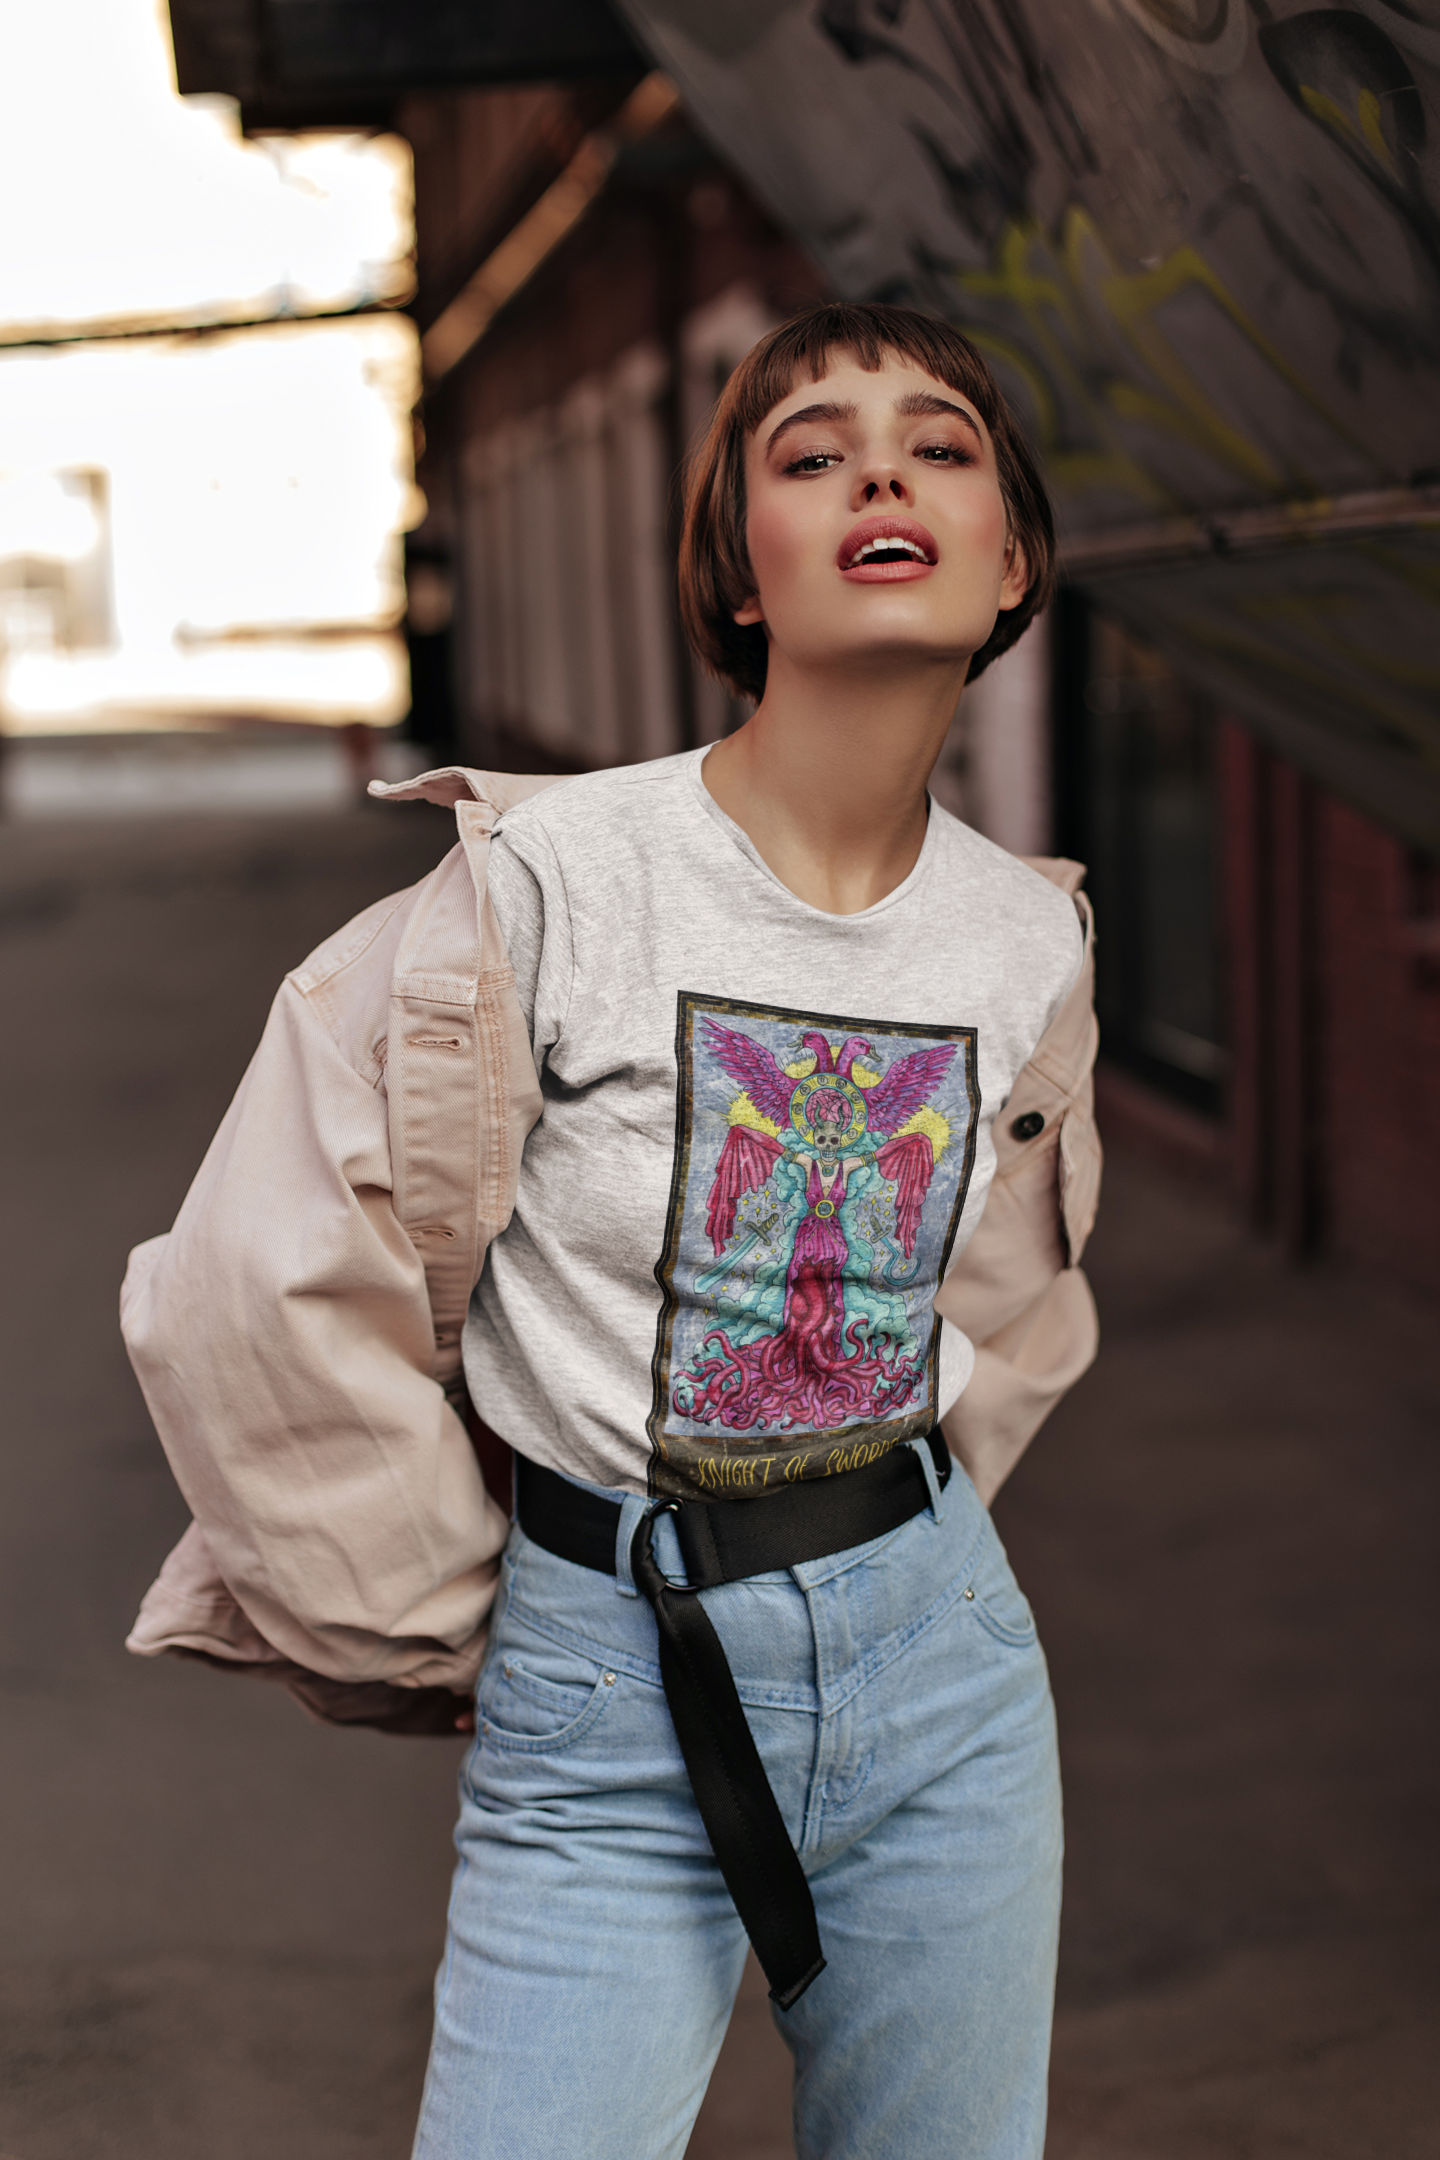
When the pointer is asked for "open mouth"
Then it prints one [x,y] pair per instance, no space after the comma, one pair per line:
[888,551]
[887,548]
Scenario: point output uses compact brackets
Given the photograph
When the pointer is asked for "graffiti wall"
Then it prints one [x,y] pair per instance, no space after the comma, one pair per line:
[1200,243]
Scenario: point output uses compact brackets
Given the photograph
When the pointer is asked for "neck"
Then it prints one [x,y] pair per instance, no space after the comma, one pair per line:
[827,777]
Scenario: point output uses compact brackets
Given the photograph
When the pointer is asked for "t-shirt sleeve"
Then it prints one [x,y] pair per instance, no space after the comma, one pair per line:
[528,895]
[1047,953]
[1073,950]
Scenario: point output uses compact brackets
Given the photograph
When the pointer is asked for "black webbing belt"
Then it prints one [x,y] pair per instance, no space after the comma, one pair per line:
[724,1541]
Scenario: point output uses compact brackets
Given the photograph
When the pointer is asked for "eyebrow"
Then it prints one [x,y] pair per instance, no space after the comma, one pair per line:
[806,414]
[924,405]
[915,405]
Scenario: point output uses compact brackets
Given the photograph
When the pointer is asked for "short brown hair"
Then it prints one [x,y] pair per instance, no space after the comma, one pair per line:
[715,573]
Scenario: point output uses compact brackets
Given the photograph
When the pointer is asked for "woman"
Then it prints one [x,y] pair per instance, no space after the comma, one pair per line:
[775,997]
[757,1663]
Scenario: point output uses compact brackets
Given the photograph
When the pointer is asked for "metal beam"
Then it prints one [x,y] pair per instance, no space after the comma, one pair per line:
[1241,532]
[315,62]
[390,45]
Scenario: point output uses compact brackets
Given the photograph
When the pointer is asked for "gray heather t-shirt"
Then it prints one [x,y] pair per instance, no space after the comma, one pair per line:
[766,1135]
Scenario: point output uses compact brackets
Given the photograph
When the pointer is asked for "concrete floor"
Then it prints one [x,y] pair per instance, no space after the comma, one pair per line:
[218,1923]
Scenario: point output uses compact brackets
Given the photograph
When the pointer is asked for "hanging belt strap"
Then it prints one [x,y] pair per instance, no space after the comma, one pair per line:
[725,1541]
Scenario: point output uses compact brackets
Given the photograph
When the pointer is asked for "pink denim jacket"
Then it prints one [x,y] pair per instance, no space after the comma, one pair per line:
[297,1333]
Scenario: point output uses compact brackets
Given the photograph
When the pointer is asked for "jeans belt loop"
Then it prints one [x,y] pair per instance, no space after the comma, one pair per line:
[926,1458]
[632,1507]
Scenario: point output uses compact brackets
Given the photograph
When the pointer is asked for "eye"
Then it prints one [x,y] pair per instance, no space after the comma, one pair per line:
[810,461]
[944,453]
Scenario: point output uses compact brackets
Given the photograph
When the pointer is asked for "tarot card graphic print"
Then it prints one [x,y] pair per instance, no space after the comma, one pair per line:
[821,1165]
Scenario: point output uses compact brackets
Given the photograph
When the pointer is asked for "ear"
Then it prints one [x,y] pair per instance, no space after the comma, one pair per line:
[751,612]
[1016,582]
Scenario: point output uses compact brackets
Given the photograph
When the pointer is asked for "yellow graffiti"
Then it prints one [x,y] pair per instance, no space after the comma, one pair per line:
[1036,296]
[1059,300]
[1133,297]
[1370,133]
[1207,432]
[1073,471]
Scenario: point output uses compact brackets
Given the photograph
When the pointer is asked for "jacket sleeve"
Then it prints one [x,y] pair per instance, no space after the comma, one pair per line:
[282,1334]
[1017,1290]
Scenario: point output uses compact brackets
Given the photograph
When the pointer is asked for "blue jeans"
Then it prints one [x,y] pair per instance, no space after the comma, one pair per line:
[899,1698]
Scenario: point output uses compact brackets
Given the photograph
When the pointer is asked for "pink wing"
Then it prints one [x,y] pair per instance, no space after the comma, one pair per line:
[751,1065]
[905,1086]
[746,1160]
[908,1163]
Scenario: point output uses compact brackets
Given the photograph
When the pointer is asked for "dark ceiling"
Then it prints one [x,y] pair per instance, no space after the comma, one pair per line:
[318,63]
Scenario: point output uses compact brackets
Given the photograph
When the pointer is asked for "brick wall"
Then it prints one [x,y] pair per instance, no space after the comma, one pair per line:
[1332,960]
[1378,930]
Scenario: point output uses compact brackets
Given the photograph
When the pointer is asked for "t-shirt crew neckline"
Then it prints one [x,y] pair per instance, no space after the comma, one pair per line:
[741,840]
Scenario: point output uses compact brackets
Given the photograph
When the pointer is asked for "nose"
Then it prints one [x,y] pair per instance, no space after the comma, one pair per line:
[879,479]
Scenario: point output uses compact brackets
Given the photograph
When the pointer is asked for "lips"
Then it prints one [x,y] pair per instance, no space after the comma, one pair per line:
[886,551]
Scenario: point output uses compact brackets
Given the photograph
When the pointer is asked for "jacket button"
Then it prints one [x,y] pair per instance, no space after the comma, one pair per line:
[1025,1128]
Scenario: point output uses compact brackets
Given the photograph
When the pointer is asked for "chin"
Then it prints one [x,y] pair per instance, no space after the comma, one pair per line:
[893,645]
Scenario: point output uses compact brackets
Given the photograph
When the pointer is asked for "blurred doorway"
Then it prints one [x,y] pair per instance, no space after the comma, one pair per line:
[1137,801]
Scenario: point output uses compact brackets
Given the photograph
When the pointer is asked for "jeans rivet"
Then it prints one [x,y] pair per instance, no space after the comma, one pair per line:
[608,1678]
[485,1729]
[969,1593]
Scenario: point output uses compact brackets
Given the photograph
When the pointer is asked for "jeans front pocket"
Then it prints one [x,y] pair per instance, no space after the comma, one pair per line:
[527,1713]
[996,1599]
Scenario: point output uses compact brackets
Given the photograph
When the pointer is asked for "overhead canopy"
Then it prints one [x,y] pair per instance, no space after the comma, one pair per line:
[315,63]
[1203,254]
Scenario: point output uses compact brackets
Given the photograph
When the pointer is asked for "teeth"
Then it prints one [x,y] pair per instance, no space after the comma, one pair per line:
[887,546]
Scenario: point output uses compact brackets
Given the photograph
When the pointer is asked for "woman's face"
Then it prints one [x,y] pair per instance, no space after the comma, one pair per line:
[876,526]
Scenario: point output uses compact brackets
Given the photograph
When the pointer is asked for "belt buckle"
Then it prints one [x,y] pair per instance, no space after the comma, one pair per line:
[645,1527]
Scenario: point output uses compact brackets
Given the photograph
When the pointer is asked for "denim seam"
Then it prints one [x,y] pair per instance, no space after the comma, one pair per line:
[447,1969]
[807,1572]
[831,1805]
[588,1646]
[885,1654]
[828,1695]
[557,1742]
[636,1669]
[546,1694]
[1009,1637]
[834,1694]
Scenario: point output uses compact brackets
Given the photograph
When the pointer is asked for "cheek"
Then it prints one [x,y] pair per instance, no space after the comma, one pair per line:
[783,543]
[984,527]
[770,541]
